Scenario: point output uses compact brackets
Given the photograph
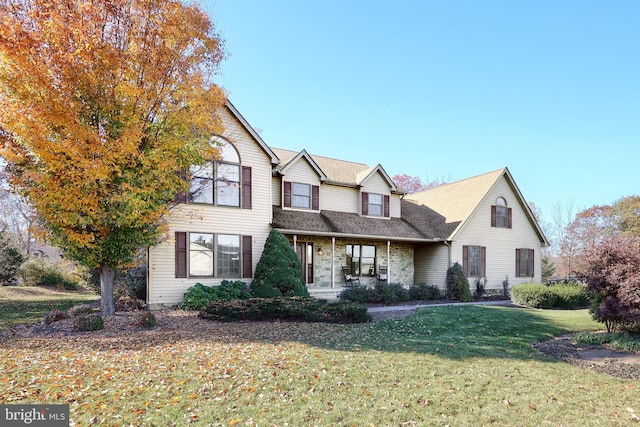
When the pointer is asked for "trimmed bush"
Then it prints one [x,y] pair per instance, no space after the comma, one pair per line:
[146,319]
[457,284]
[571,295]
[391,293]
[79,310]
[88,322]
[55,316]
[278,272]
[358,294]
[288,309]
[198,296]
[424,292]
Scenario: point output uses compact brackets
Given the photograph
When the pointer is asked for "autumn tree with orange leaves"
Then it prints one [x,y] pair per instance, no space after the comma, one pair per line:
[102,104]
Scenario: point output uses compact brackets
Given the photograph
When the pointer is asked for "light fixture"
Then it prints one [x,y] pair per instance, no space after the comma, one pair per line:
[320,251]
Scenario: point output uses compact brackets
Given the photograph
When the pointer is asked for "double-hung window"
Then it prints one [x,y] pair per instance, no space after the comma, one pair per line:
[474,261]
[524,262]
[375,204]
[500,214]
[213,255]
[301,194]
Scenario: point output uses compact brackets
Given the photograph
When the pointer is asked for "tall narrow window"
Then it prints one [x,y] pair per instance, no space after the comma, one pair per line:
[524,263]
[201,254]
[474,261]
[228,255]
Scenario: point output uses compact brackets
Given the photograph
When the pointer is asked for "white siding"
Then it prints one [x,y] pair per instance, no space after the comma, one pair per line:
[394,206]
[276,191]
[376,184]
[501,243]
[302,172]
[164,288]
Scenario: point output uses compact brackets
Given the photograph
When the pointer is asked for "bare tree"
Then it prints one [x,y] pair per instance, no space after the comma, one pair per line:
[564,243]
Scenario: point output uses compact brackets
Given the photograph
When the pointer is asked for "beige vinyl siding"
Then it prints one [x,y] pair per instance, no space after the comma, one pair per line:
[276,191]
[431,264]
[376,184]
[164,287]
[501,243]
[394,206]
[337,198]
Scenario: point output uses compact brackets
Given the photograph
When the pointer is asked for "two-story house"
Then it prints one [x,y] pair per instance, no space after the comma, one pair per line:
[341,218]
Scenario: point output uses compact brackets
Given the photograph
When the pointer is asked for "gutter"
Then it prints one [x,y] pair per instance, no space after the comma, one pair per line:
[356,236]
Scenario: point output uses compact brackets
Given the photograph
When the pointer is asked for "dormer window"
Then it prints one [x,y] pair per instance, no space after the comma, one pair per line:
[301,196]
[375,204]
[219,183]
[501,214]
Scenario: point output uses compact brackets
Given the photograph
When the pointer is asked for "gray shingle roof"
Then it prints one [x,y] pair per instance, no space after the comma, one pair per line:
[419,223]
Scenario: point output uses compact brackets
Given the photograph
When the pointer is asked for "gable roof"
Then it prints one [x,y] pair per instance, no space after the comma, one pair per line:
[336,171]
[302,155]
[235,113]
[457,201]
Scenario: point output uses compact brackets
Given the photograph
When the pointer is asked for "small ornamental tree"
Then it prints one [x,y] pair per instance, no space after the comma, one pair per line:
[457,284]
[278,272]
[10,260]
[613,275]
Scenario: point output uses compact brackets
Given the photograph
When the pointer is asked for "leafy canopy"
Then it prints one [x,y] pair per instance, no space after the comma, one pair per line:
[102,103]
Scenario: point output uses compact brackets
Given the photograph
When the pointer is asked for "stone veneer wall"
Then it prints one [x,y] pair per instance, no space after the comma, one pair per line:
[402,259]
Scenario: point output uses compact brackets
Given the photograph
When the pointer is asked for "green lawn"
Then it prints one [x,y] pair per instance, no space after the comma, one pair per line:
[28,304]
[454,366]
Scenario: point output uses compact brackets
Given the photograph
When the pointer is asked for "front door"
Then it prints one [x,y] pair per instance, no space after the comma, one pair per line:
[305,254]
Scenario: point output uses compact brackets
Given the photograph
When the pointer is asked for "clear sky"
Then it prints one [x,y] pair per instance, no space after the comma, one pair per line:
[447,89]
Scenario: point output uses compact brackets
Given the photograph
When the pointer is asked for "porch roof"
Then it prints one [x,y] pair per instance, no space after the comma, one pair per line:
[415,227]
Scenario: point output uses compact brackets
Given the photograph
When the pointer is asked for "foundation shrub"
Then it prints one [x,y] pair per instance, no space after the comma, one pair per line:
[88,322]
[286,309]
[358,294]
[533,295]
[199,295]
[457,284]
[424,292]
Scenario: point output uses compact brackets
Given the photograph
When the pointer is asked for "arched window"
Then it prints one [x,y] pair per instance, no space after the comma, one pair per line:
[501,214]
[218,182]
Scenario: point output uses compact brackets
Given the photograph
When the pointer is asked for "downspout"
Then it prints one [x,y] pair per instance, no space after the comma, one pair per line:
[448,253]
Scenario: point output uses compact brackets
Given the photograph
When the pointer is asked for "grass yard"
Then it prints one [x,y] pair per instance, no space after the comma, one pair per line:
[28,304]
[456,366]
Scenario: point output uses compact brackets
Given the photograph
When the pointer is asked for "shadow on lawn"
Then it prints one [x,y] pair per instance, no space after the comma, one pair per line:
[449,332]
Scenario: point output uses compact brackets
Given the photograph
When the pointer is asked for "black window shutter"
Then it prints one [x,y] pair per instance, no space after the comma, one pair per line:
[483,261]
[493,216]
[315,197]
[386,206]
[365,203]
[509,218]
[247,256]
[181,254]
[517,262]
[246,187]
[287,194]
[465,260]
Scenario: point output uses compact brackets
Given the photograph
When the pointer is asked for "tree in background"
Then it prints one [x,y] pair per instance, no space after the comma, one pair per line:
[10,260]
[413,184]
[588,229]
[625,215]
[278,272]
[612,273]
[102,105]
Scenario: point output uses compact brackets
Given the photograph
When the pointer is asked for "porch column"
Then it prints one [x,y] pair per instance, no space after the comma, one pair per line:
[388,261]
[333,262]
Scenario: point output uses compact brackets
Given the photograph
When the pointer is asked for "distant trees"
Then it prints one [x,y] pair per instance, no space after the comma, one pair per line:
[413,184]
[103,106]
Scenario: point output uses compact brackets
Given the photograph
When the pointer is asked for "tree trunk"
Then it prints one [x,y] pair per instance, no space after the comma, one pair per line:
[107,276]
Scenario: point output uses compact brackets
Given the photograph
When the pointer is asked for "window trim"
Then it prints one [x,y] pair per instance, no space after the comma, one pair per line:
[372,266]
[183,256]
[365,205]
[288,195]
[530,264]
[482,261]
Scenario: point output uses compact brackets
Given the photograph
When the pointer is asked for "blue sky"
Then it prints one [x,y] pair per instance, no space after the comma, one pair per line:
[445,90]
